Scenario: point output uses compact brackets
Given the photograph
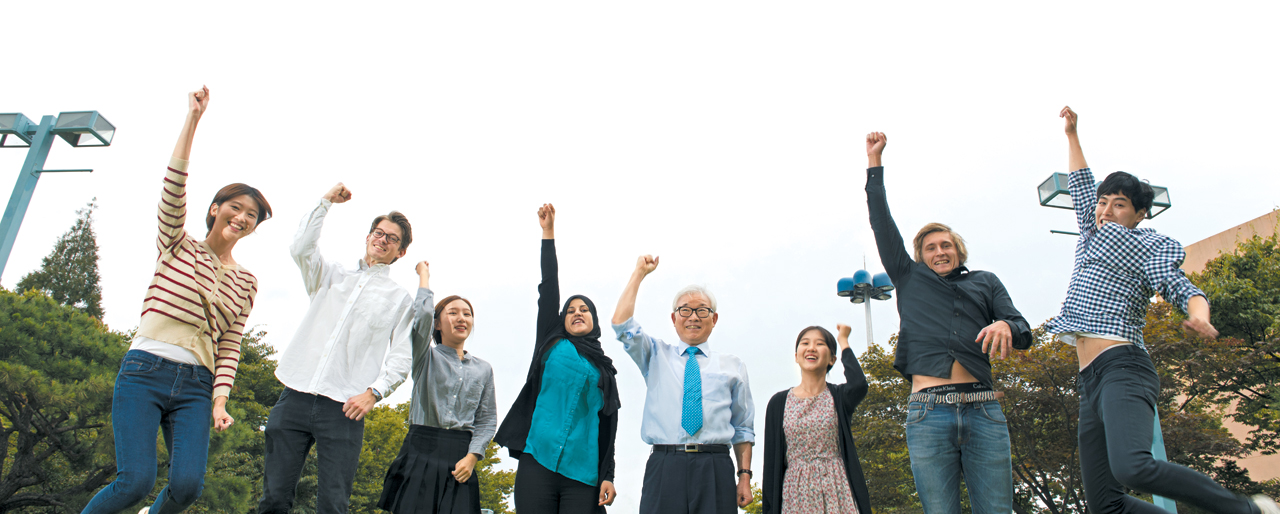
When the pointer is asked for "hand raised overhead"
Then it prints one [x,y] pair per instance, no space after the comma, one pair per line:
[876,142]
[646,264]
[547,218]
[1070,116]
[338,194]
[198,101]
[842,335]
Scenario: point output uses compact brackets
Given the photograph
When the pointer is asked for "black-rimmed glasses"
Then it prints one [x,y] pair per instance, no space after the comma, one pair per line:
[702,312]
[390,238]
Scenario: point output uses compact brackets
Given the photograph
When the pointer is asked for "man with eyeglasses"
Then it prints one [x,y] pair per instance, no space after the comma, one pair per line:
[698,404]
[351,349]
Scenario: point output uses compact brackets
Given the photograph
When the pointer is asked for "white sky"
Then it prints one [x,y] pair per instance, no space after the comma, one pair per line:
[725,137]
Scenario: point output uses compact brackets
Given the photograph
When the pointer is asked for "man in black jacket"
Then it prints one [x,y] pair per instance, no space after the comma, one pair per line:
[951,319]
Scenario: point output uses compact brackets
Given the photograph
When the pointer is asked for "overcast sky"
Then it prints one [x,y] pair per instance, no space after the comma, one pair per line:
[725,137]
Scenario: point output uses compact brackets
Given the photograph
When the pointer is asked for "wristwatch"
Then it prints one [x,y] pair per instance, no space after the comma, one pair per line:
[747,471]
[376,395]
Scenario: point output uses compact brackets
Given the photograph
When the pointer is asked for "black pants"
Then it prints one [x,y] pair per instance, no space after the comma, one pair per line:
[689,483]
[541,490]
[1117,413]
[298,421]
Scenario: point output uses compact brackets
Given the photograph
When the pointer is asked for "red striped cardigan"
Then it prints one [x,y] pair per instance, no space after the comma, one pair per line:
[195,301]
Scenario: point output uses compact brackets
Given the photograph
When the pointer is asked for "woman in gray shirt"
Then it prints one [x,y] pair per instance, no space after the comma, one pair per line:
[453,415]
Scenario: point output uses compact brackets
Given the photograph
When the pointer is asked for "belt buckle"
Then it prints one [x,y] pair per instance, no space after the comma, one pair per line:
[691,448]
[951,398]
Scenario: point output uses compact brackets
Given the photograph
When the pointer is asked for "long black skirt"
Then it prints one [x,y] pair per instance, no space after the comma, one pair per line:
[420,480]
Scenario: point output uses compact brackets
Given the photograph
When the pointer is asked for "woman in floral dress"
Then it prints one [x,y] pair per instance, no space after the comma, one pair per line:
[810,463]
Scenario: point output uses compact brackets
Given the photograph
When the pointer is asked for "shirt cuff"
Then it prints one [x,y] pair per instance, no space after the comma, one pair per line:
[324,202]
[179,164]
[743,435]
[629,329]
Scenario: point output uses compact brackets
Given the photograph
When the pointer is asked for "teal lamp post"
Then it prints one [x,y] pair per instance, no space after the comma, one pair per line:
[863,287]
[81,128]
[1053,193]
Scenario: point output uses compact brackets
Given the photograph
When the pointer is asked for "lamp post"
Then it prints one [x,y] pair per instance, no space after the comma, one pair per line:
[1054,193]
[78,128]
[861,288]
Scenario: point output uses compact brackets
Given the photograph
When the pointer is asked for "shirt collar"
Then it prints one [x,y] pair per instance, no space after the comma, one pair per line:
[704,348]
[445,350]
[957,273]
[377,268]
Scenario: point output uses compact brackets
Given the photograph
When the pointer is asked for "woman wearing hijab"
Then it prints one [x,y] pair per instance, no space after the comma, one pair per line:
[563,424]
[452,415]
[810,463]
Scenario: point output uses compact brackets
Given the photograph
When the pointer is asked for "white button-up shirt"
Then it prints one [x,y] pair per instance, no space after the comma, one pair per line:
[355,334]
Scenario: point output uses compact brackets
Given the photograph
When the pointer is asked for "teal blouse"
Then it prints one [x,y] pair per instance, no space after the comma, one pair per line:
[567,410]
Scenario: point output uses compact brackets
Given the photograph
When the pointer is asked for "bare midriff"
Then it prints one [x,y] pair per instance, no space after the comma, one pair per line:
[959,375]
[1088,348]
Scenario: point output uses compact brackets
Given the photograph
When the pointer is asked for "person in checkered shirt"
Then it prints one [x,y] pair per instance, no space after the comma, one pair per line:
[1118,268]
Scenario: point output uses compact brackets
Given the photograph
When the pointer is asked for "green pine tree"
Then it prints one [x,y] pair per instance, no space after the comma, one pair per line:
[69,274]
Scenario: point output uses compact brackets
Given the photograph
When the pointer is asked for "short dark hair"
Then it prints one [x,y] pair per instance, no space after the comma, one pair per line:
[1138,192]
[406,231]
[826,336]
[440,305]
[233,190]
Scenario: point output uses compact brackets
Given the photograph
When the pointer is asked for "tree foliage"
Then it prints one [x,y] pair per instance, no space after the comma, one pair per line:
[69,274]
[57,372]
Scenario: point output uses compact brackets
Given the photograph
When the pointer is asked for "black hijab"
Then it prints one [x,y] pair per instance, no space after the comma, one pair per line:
[588,346]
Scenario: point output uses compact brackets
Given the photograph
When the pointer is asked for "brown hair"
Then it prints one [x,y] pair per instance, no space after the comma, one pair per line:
[237,189]
[440,305]
[961,251]
[406,231]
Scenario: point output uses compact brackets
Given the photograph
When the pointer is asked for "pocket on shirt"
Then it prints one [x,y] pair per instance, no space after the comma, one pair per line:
[375,313]
[471,397]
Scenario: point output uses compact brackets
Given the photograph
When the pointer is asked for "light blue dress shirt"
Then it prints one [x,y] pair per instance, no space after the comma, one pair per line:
[564,435]
[727,408]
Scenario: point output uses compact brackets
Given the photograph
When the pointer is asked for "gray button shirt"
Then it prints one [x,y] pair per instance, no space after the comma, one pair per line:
[448,392]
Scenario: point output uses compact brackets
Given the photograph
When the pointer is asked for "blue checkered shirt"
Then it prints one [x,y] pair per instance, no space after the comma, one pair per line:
[1117,271]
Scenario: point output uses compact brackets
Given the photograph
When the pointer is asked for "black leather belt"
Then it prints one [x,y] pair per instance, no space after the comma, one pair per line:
[691,448]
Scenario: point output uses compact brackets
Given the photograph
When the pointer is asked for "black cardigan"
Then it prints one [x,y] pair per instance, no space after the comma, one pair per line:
[515,428]
[846,397]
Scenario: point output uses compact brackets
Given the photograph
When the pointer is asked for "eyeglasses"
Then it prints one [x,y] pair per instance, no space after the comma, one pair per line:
[702,312]
[390,238]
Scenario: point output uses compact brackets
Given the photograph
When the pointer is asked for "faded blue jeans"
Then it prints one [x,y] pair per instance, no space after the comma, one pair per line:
[947,441]
[153,393]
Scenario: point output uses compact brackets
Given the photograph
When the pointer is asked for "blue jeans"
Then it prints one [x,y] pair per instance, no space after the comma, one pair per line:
[950,440]
[155,393]
[1118,392]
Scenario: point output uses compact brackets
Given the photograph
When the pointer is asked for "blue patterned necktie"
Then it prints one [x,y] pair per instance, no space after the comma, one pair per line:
[691,412]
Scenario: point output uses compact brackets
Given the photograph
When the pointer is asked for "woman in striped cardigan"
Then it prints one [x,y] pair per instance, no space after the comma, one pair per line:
[182,362]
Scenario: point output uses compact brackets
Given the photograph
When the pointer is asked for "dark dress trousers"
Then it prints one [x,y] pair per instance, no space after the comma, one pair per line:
[847,396]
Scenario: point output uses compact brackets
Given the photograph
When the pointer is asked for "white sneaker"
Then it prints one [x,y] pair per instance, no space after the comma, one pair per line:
[145,509]
[1265,504]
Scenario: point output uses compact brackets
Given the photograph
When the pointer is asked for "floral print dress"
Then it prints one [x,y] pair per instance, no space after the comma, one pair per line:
[815,481]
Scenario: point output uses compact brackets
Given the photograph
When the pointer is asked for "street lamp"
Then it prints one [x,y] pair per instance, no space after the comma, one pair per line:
[1053,193]
[862,287]
[77,128]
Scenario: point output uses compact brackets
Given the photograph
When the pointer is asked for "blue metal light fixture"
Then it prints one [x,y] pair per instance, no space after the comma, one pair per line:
[78,128]
[861,287]
[84,128]
[13,130]
[1054,193]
